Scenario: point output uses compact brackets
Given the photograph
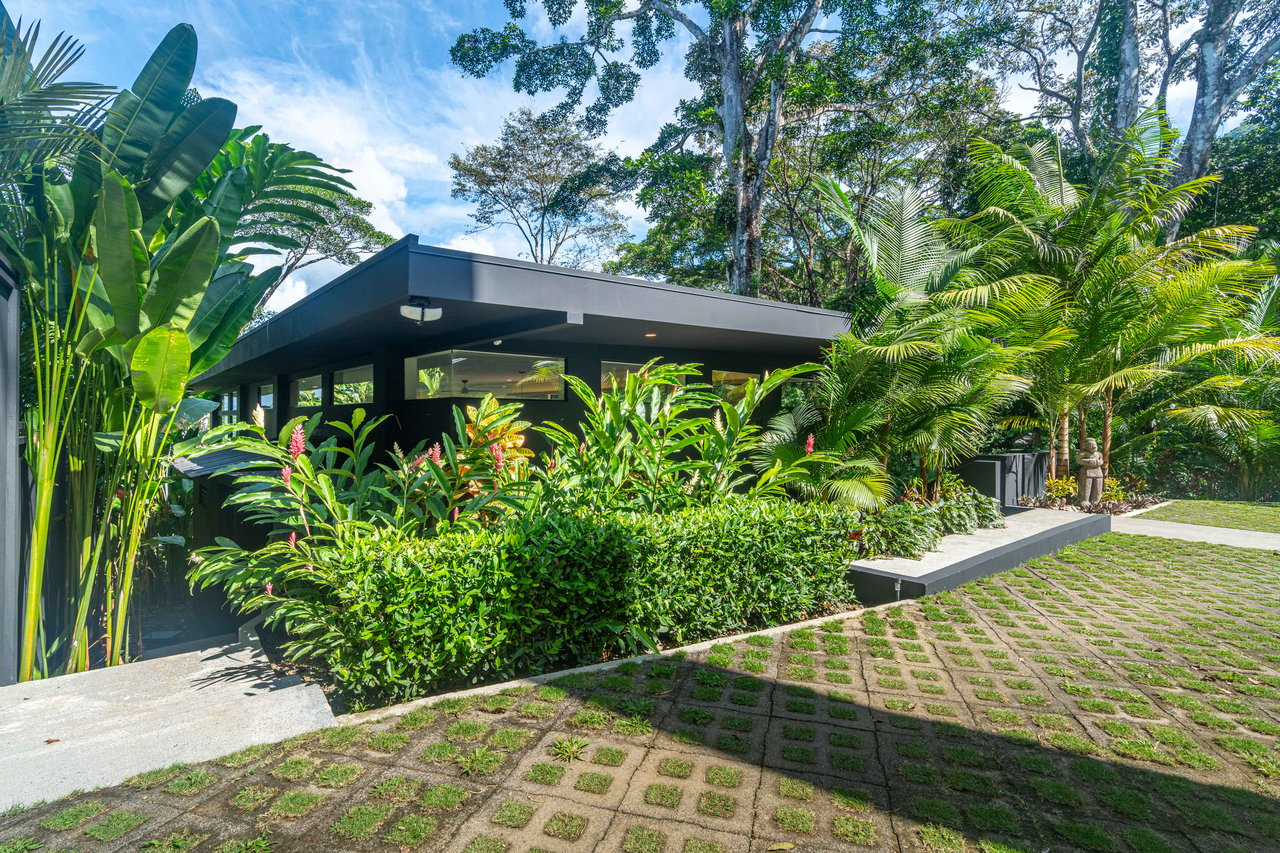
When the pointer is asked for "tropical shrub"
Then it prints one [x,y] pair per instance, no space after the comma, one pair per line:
[391,615]
[134,279]
[913,527]
[657,442]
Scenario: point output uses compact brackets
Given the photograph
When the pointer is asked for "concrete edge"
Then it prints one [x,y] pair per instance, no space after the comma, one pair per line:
[1136,512]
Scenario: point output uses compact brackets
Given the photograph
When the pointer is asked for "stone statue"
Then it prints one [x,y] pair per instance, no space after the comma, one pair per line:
[1089,480]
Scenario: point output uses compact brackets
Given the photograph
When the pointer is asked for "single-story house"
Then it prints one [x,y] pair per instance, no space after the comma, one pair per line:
[415,330]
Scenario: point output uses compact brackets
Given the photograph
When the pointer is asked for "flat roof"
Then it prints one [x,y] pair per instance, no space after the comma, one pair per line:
[485,298]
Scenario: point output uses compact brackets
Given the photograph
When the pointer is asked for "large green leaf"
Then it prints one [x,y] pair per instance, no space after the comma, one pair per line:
[122,259]
[226,201]
[237,316]
[159,367]
[184,152]
[141,115]
[182,277]
[229,283]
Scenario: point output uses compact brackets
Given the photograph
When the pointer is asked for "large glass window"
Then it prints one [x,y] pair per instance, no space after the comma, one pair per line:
[729,383]
[469,373]
[306,392]
[613,374]
[354,385]
[267,395]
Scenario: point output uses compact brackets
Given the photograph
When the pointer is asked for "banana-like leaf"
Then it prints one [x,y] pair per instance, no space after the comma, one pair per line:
[226,201]
[122,259]
[160,367]
[140,115]
[223,292]
[191,410]
[218,343]
[184,152]
[182,277]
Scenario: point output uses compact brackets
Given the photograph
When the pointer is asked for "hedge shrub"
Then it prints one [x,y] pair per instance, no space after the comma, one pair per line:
[396,617]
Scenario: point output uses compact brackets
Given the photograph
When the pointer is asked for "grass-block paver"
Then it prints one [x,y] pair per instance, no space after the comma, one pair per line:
[1121,695]
[1238,515]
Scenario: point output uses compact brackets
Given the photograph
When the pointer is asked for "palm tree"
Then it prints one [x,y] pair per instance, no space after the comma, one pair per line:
[1134,307]
[917,376]
[42,117]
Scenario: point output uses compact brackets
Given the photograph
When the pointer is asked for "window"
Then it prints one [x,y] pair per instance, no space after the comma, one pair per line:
[267,395]
[354,385]
[469,373]
[229,407]
[306,392]
[613,374]
[729,383]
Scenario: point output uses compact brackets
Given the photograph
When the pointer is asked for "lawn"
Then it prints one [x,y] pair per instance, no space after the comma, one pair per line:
[1236,514]
[1121,695]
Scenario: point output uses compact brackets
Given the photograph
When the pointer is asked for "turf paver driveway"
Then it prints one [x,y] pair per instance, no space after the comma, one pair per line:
[1238,515]
[1121,695]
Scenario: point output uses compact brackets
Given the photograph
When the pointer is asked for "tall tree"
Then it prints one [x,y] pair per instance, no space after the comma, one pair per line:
[761,64]
[531,179]
[344,235]
[1093,63]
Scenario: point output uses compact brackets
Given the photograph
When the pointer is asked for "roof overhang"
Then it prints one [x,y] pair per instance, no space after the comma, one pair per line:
[486,298]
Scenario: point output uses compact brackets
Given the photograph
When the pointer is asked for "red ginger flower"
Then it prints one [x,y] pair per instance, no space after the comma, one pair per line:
[285,473]
[433,453]
[496,450]
[297,442]
[293,539]
[808,445]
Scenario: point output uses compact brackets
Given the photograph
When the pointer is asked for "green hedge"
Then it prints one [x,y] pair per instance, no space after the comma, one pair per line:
[911,530]
[391,617]
[395,617]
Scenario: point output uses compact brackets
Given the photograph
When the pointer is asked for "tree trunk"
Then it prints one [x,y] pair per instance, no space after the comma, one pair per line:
[1064,443]
[1108,411]
[1082,425]
[1129,84]
[1053,453]
[736,149]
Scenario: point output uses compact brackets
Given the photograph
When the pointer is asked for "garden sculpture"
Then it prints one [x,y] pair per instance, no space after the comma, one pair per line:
[1089,480]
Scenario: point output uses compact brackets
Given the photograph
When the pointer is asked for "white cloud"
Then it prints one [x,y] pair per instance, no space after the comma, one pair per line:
[394,125]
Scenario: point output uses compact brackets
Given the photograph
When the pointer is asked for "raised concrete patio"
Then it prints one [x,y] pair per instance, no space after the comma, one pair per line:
[963,557]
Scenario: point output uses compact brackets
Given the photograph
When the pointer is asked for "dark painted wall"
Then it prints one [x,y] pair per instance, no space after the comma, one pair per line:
[412,421]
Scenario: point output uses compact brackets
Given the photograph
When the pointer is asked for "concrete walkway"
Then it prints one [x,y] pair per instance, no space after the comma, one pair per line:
[1197,533]
[101,727]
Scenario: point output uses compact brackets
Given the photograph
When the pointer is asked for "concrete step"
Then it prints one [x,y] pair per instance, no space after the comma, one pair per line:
[962,557]
[101,727]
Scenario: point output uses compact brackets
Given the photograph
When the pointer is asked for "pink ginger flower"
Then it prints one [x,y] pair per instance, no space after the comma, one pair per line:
[433,453]
[269,592]
[808,445]
[293,539]
[582,448]
[496,450]
[285,473]
[297,442]
[417,462]
[455,513]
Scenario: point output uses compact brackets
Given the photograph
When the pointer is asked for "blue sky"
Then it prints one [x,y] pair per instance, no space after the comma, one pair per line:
[366,84]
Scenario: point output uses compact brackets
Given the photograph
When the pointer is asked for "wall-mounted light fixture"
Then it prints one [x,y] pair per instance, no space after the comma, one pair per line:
[650,334]
[419,310]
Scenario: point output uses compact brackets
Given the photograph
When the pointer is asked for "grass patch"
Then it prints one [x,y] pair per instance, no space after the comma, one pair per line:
[116,825]
[361,821]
